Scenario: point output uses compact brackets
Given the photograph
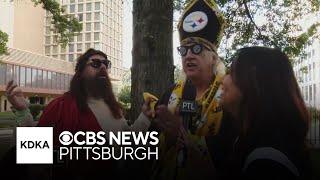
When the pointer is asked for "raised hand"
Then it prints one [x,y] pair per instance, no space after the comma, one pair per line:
[15,96]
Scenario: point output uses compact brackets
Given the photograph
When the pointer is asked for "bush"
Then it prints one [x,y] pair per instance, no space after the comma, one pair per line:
[35,110]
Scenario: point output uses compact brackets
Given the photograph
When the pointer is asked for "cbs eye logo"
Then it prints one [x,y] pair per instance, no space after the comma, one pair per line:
[66,138]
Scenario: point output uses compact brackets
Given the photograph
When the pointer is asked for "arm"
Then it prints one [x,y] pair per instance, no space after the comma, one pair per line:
[142,123]
[16,98]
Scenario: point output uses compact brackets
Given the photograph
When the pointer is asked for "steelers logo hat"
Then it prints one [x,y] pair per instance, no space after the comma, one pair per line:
[201,22]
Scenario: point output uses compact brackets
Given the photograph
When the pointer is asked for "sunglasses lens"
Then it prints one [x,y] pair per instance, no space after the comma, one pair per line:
[196,49]
[96,64]
[107,63]
[182,50]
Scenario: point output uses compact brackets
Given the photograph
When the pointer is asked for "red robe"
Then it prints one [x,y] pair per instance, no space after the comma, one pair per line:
[63,114]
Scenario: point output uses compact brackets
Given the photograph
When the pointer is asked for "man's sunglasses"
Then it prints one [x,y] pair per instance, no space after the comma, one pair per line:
[96,63]
[195,49]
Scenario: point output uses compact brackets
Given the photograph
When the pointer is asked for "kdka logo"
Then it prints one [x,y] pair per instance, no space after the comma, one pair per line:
[34,145]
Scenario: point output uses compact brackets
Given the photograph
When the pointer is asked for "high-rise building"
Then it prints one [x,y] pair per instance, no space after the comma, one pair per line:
[102,30]
[307,72]
[36,62]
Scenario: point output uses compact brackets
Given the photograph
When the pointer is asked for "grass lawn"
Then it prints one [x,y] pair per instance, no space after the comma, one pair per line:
[7,119]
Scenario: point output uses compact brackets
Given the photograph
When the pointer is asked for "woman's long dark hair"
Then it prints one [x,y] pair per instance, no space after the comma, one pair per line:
[272,110]
[77,86]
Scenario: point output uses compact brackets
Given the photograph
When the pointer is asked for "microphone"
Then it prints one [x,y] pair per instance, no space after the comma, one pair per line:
[188,107]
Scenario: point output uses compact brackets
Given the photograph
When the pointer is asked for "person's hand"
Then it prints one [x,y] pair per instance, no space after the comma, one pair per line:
[146,109]
[15,96]
[168,122]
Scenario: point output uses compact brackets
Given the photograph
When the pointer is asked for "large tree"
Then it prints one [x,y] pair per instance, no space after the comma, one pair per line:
[273,23]
[152,60]
[66,26]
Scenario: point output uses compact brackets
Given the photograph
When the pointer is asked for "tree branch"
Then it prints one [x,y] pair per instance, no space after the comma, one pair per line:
[244,2]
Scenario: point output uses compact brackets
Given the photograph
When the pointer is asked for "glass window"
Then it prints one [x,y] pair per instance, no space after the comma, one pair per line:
[48,39]
[3,73]
[88,26]
[72,8]
[80,7]
[45,79]
[96,26]
[47,50]
[97,5]
[16,74]
[49,82]
[54,76]
[96,36]
[22,76]
[34,78]
[80,17]
[63,56]
[97,16]
[66,82]
[54,49]
[9,74]
[48,30]
[40,79]
[71,47]
[71,39]
[62,82]
[88,16]
[58,81]
[71,57]
[88,36]
[87,46]
[79,38]
[88,7]
[72,1]
[97,46]
[79,47]
[28,77]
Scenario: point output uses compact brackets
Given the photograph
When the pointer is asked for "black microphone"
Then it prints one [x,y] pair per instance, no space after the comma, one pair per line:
[188,107]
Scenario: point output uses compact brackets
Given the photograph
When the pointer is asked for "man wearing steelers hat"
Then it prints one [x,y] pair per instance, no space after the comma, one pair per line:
[196,134]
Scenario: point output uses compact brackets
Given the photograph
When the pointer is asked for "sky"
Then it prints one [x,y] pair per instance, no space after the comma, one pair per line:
[127,36]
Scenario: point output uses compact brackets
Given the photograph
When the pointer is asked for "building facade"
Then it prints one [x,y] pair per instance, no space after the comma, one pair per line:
[102,22]
[307,72]
[42,67]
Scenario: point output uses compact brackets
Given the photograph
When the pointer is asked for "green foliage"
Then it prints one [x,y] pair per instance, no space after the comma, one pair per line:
[274,23]
[177,73]
[124,96]
[3,42]
[35,110]
[65,26]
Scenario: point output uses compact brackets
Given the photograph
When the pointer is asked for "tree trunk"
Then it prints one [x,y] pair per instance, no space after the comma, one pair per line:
[152,66]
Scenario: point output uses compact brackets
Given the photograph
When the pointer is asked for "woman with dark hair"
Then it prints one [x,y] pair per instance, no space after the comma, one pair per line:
[262,93]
